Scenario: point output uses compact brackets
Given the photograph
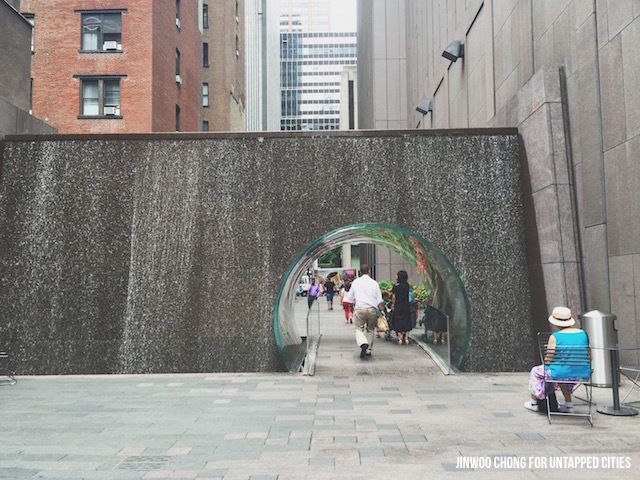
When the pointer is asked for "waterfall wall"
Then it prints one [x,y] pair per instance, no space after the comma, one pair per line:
[163,253]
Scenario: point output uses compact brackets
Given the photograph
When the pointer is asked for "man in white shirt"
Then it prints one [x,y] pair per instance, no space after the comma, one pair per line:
[366,295]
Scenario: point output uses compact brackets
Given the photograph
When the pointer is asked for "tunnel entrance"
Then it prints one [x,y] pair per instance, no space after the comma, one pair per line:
[297,339]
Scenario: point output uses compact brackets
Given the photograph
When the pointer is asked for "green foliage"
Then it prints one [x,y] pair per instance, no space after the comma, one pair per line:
[423,293]
[332,259]
[385,285]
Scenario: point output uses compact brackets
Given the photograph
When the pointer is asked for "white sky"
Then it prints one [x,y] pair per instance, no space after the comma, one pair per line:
[343,15]
[342,12]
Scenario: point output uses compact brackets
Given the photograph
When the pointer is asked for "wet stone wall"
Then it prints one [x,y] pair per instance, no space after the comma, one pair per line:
[164,253]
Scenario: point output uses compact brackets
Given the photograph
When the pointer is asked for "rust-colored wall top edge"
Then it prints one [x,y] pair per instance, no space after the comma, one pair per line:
[287,134]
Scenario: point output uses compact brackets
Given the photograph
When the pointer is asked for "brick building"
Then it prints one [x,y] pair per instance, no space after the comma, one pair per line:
[223,62]
[114,66]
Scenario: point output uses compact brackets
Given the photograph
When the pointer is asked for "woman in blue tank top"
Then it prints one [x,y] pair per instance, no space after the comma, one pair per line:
[563,341]
[562,345]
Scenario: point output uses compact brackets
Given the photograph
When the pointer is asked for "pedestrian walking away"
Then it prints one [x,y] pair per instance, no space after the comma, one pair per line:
[348,307]
[329,291]
[314,291]
[365,294]
[402,318]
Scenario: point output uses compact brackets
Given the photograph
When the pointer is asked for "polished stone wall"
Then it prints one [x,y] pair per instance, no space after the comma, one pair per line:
[164,253]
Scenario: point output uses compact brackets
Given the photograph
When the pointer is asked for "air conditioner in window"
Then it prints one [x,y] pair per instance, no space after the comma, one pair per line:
[178,22]
[110,110]
[178,80]
[110,45]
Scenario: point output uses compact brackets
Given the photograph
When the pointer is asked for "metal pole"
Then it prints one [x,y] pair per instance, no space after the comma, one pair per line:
[448,345]
[616,410]
[615,365]
[573,195]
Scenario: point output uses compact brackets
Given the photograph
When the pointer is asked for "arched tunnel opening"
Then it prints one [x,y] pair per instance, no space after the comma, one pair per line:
[442,288]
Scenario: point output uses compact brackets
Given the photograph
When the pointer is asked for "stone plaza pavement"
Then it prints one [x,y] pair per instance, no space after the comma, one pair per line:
[393,416]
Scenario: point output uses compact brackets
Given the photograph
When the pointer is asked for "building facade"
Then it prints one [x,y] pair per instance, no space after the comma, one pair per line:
[15,76]
[311,69]
[262,65]
[115,66]
[314,51]
[382,67]
[305,15]
[349,99]
[564,73]
[223,65]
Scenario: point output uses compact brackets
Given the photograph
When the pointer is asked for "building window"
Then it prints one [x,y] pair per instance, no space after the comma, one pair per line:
[31,18]
[177,64]
[102,32]
[205,94]
[205,125]
[237,47]
[237,12]
[205,55]
[178,14]
[205,15]
[177,118]
[100,97]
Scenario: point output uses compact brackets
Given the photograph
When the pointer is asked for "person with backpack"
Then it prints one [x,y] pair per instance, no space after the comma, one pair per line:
[329,292]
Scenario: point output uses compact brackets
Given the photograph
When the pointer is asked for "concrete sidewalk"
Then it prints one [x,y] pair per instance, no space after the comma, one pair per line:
[394,416]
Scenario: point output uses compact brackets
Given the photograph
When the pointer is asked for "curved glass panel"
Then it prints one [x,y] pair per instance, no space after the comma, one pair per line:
[443,287]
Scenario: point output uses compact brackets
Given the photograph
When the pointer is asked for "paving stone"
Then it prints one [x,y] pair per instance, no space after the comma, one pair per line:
[414,438]
[387,426]
[530,436]
[322,461]
[212,473]
[179,451]
[345,439]
[16,473]
[371,452]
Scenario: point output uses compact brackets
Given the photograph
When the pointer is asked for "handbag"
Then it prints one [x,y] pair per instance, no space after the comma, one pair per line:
[382,324]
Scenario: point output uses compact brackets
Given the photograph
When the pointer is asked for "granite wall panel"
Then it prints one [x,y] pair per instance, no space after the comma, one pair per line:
[631,68]
[537,133]
[602,22]
[612,93]
[596,268]
[587,126]
[623,300]
[623,190]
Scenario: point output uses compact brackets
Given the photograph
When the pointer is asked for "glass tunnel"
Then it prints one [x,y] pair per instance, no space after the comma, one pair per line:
[297,340]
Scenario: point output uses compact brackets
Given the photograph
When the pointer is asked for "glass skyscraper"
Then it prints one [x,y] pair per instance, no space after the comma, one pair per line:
[312,57]
[311,65]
